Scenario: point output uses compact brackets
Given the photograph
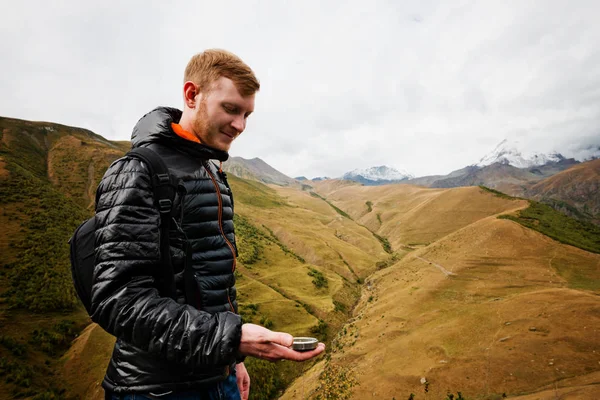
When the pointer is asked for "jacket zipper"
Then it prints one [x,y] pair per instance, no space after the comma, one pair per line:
[220,213]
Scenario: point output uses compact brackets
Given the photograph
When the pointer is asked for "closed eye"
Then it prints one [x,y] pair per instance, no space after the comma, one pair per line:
[234,110]
[230,109]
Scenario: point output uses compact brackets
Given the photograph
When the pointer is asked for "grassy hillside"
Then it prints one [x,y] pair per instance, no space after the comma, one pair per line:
[573,191]
[405,284]
[504,322]
[491,309]
[412,215]
[46,173]
[285,282]
[545,219]
[300,267]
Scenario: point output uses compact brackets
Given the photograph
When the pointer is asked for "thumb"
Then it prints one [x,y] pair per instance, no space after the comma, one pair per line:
[282,338]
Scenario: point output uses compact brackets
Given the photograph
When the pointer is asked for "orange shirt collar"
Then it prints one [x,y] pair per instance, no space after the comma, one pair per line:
[184,134]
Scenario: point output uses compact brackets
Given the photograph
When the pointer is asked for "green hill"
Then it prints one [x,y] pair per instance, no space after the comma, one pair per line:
[47,172]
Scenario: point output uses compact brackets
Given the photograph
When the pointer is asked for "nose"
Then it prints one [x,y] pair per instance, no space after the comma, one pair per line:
[239,123]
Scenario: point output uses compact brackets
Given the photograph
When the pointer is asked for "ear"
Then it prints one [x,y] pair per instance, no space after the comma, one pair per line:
[190,92]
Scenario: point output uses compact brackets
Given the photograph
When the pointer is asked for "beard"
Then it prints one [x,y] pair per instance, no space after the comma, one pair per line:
[201,125]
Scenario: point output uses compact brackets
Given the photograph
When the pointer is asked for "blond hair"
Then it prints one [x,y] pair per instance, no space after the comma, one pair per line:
[206,67]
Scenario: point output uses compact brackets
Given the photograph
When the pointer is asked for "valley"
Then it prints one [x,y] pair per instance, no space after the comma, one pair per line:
[416,290]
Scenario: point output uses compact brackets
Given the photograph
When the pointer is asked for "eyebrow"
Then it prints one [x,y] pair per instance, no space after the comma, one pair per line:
[236,106]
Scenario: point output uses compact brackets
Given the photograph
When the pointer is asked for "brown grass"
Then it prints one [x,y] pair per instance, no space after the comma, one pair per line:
[505,323]
[579,388]
[312,229]
[85,363]
[413,215]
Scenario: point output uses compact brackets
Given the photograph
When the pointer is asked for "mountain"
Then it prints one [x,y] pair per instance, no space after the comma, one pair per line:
[320,178]
[578,187]
[501,176]
[373,176]
[510,153]
[256,170]
[508,168]
[72,159]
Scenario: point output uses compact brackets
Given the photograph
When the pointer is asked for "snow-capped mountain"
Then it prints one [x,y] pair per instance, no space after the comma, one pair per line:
[510,153]
[377,175]
[320,178]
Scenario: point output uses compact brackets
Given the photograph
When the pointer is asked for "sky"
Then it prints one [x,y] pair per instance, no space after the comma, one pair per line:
[427,87]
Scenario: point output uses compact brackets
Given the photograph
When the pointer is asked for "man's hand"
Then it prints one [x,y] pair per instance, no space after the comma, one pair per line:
[273,346]
[243,380]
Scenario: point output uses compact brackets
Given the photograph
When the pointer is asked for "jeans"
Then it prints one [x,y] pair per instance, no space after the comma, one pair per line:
[226,390]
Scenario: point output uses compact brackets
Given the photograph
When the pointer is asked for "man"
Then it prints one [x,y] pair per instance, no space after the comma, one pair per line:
[184,349]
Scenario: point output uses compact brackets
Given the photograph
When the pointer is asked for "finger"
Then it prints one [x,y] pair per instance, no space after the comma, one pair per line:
[293,355]
[240,384]
[247,389]
[282,338]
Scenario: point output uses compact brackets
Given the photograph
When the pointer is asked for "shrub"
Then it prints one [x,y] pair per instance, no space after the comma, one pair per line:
[55,340]
[266,322]
[13,346]
[320,281]
[40,278]
[546,220]
[387,247]
[320,330]
[266,378]
[337,210]
[338,306]
[335,383]
[13,372]
[497,193]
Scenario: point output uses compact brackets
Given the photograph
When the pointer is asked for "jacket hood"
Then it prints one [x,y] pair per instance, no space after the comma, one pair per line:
[155,127]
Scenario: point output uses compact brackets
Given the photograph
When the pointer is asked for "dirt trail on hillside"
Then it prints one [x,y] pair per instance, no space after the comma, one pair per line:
[444,270]
[85,363]
[577,388]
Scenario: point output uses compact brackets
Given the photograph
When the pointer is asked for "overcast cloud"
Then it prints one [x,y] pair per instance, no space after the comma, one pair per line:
[427,86]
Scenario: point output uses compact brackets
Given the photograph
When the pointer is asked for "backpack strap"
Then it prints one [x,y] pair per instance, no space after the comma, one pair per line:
[164,188]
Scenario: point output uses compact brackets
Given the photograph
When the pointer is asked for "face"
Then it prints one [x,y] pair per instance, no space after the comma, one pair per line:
[220,116]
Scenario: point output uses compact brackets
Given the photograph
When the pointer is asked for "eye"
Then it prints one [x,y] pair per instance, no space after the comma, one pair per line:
[230,109]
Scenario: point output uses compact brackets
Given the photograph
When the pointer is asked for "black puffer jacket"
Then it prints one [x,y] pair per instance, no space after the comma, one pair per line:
[163,344]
